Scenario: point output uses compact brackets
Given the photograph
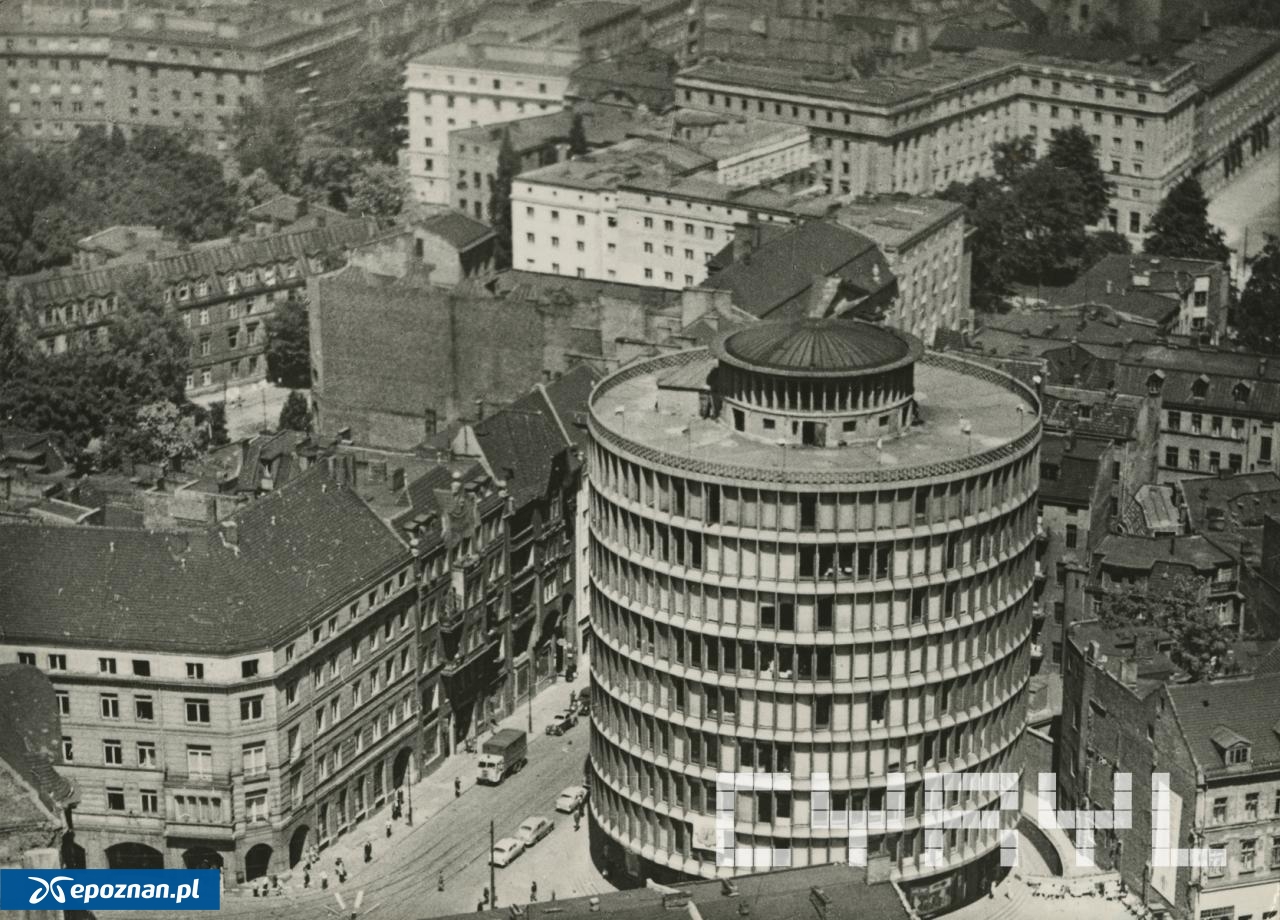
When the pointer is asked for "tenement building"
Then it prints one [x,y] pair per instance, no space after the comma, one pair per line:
[227,695]
[813,551]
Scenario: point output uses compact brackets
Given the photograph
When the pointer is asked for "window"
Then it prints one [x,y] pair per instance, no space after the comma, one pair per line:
[57,662]
[106,666]
[64,702]
[250,709]
[195,670]
[1135,222]
[68,754]
[255,759]
[879,703]
[27,658]
[255,806]
[1251,806]
[115,799]
[113,753]
[143,709]
[1175,421]
[199,761]
[1220,810]
[147,754]
[149,801]
[197,712]
[1248,855]
[141,667]
[109,705]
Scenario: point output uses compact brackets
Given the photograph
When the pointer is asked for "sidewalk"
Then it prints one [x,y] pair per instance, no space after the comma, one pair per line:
[431,794]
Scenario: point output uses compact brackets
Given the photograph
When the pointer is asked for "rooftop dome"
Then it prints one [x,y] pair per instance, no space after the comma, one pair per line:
[819,348]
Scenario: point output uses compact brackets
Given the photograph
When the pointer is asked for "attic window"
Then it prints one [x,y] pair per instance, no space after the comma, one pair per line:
[1240,392]
[1200,388]
[1049,472]
[1235,747]
[1085,412]
[1155,382]
[1238,754]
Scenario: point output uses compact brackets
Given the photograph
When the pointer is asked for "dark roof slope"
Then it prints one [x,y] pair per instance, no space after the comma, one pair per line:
[1140,553]
[30,732]
[568,397]
[782,269]
[301,550]
[818,347]
[1077,469]
[523,445]
[1246,708]
[458,230]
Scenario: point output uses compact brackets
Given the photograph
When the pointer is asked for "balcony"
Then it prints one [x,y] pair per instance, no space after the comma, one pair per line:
[177,780]
[464,660]
[453,615]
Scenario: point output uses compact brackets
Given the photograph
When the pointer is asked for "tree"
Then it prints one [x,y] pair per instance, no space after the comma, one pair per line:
[161,433]
[1102,243]
[1073,150]
[577,136]
[500,199]
[378,191]
[295,414]
[1176,610]
[1257,315]
[216,418]
[1012,158]
[267,138]
[990,211]
[1049,236]
[1180,227]
[33,182]
[376,120]
[289,345]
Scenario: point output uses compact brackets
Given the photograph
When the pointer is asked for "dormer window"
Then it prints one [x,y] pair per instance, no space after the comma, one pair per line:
[1240,392]
[1200,388]
[1155,382]
[1236,748]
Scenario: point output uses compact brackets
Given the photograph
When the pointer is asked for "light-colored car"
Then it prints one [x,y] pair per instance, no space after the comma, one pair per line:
[507,849]
[570,799]
[534,829]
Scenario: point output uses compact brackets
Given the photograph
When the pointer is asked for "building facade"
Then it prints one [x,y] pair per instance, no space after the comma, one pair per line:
[210,733]
[145,68]
[224,292]
[803,564]
[920,130]
[467,85]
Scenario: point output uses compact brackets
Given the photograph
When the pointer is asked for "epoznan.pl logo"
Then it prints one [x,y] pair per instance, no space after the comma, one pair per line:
[110,889]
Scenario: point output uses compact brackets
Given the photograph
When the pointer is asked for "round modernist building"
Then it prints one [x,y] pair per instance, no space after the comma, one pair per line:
[812,552]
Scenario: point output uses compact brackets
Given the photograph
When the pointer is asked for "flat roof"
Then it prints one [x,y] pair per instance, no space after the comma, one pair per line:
[892,220]
[627,161]
[949,392]
[500,57]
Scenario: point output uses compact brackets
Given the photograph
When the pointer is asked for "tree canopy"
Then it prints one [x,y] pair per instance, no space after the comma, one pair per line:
[1180,227]
[1071,149]
[289,345]
[267,137]
[55,197]
[295,414]
[500,199]
[1177,611]
[372,119]
[1257,315]
[577,136]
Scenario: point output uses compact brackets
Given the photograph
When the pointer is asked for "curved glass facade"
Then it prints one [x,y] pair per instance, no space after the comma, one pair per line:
[767,607]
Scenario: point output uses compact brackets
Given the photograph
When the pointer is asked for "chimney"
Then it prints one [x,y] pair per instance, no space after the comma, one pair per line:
[1129,671]
[378,471]
[1205,22]
[1173,544]
[480,408]
[303,207]
[1110,286]
[397,479]
[455,486]
[230,534]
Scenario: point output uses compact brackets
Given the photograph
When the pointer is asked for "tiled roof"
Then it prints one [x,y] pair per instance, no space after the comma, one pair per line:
[1144,553]
[1113,281]
[1077,469]
[645,77]
[1221,371]
[30,734]
[568,397]
[1092,413]
[1074,365]
[1209,713]
[782,269]
[459,230]
[205,262]
[301,550]
[523,445]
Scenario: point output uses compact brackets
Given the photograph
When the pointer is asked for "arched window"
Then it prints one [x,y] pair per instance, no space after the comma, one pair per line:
[1240,392]
[1200,388]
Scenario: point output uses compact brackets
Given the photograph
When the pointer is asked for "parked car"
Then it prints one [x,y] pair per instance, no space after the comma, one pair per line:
[583,703]
[562,722]
[571,799]
[534,829]
[507,849]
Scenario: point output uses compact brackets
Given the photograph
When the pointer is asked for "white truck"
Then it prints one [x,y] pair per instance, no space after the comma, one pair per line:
[505,753]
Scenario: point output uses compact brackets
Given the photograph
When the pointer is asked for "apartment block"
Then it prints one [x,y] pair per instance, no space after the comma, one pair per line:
[229,695]
[920,129]
[472,83]
[224,290]
[64,69]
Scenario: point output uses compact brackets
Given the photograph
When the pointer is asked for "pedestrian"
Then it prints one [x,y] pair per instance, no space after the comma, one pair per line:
[479,907]
[275,881]
[440,882]
[306,877]
[388,828]
[457,787]
[368,850]
[486,896]
[324,880]
[577,820]
[255,892]
[533,891]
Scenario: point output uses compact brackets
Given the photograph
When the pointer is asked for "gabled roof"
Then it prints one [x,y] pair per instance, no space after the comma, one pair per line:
[523,444]
[776,274]
[1140,553]
[301,550]
[568,396]
[458,230]
[1217,371]
[1245,710]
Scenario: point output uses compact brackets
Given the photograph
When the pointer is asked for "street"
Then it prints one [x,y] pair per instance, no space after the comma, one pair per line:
[1250,207]
[251,408]
[451,836]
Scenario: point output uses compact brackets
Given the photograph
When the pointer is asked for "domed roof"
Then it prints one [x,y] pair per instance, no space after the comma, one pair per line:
[819,348]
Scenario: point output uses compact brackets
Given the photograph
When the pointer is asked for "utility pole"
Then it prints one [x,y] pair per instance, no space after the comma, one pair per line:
[493,879]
